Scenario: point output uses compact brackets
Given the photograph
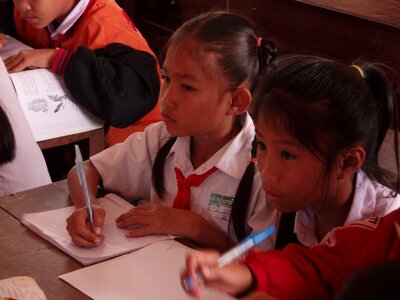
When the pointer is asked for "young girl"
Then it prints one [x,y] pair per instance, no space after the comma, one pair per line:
[197,163]
[320,125]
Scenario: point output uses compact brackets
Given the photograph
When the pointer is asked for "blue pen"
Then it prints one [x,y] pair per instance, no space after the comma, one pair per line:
[82,181]
[248,243]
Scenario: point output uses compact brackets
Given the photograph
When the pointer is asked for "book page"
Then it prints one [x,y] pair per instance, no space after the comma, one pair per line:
[48,107]
[51,226]
[150,273]
[21,287]
[12,48]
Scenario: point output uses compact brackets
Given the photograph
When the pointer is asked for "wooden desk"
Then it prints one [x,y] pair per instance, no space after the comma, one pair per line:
[96,140]
[25,253]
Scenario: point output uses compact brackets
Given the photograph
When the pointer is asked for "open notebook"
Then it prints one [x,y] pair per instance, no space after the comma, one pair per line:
[50,225]
[49,108]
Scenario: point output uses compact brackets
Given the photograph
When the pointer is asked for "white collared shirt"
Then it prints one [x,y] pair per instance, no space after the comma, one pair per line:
[126,169]
[69,21]
[370,200]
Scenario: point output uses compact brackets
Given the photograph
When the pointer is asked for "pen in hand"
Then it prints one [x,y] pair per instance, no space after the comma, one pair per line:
[243,247]
[82,181]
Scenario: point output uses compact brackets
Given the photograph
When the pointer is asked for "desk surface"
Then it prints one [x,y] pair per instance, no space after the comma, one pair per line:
[25,253]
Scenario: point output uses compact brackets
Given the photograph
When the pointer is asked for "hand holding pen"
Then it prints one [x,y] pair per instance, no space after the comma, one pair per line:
[86,222]
[210,269]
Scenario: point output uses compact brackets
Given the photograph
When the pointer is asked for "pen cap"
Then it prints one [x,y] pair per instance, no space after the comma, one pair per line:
[262,235]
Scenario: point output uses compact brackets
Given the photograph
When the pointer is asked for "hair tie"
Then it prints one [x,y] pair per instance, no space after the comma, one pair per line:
[359,70]
[253,160]
[259,39]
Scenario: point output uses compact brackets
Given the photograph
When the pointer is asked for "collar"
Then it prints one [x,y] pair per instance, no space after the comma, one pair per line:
[237,149]
[69,21]
[363,205]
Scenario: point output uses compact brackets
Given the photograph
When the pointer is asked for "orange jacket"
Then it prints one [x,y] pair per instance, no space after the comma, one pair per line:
[102,23]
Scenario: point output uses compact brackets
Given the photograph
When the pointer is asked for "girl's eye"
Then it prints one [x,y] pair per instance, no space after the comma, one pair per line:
[287,155]
[260,146]
[187,87]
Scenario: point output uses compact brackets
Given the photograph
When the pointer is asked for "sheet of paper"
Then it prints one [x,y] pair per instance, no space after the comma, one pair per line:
[51,226]
[21,287]
[12,48]
[48,107]
[150,273]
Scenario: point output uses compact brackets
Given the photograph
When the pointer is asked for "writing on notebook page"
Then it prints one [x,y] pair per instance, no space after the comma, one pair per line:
[51,226]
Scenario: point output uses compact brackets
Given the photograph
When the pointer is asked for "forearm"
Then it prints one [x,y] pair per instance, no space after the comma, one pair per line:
[75,187]
[207,235]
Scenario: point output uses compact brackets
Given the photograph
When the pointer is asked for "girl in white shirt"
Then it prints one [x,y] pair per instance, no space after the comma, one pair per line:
[209,71]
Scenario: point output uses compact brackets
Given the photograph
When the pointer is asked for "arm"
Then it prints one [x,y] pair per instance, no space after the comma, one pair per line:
[116,83]
[41,58]
[3,40]
[77,225]
[159,219]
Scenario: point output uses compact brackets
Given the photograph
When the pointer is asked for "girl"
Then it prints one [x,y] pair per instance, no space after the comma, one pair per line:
[320,125]
[197,163]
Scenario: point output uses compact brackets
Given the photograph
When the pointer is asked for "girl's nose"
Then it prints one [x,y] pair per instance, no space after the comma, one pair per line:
[22,5]
[268,169]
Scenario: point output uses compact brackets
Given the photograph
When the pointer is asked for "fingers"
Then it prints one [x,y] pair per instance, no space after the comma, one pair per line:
[197,266]
[42,58]
[79,231]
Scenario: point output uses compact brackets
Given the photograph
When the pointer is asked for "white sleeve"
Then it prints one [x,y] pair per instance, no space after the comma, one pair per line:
[126,168]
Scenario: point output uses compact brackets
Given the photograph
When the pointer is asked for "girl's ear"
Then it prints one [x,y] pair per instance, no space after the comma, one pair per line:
[351,161]
[241,100]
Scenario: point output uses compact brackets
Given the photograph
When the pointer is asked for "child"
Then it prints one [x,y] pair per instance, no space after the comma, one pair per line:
[319,128]
[208,74]
[299,272]
[26,168]
[107,65]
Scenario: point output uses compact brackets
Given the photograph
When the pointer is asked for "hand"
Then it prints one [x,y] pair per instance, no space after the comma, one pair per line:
[79,230]
[3,40]
[202,269]
[42,58]
[150,219]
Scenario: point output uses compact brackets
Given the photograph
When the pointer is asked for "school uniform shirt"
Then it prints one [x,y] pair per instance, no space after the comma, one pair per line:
[108,66]
[126,169]
[28,168]
[299,272]
[371,199]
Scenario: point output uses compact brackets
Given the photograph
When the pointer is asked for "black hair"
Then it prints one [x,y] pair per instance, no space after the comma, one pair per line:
[239,55]
[377,281]
[7,139]
[329,106]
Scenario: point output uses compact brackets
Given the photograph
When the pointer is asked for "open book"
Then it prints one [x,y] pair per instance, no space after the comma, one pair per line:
[49,108]
[21,287]
[51,226]
[150,273]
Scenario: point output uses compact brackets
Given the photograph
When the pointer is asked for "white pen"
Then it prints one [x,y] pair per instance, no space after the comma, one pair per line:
[248,243]
[82,181]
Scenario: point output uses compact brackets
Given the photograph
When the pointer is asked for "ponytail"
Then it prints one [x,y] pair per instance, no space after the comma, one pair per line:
[240,205]
[383,92]
[158,167]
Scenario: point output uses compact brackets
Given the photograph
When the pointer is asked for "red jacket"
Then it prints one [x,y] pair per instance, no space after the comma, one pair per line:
[298,272]
[102,24]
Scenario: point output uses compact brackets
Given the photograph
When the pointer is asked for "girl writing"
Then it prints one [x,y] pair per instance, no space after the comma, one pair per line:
[320,125]
[196,166]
